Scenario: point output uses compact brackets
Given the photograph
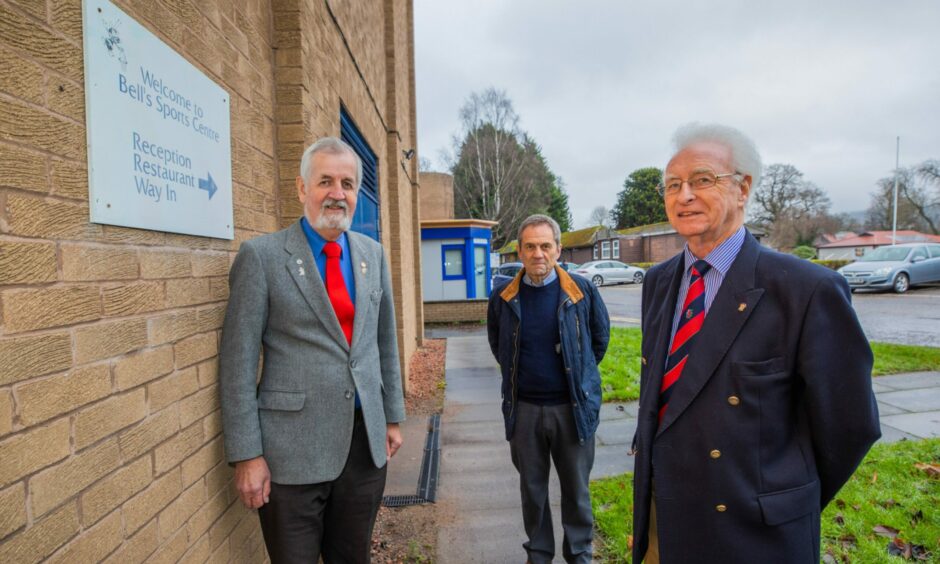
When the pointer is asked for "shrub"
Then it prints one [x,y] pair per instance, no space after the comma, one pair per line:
[804,252]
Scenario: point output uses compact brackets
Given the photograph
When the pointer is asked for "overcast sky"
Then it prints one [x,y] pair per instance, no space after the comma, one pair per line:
[601,85]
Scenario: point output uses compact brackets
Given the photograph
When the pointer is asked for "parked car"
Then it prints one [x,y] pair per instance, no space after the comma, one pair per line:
[505,272]
[602,272]
[896,267]
[508,271]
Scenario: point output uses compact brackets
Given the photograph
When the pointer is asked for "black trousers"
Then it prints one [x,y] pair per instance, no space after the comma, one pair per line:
[334,519]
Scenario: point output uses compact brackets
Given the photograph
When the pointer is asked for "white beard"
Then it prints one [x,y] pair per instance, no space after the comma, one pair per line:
[329,220]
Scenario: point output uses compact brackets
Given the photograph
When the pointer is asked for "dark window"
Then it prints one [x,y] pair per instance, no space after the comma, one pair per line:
[366,220]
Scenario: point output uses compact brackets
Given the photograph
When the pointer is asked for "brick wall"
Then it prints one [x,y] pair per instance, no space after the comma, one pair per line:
[578,255]
[437,195]
[664,247]
[455,311]
[110,444]
[631,250]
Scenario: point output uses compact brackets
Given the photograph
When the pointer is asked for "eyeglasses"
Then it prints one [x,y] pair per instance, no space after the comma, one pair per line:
[698,181]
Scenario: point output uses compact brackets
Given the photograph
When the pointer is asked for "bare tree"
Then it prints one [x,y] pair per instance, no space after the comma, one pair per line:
[880,213]
[929,172]
[499,172]
[778,190]
[914,193]
[425,165]
[600,216]
[794,210]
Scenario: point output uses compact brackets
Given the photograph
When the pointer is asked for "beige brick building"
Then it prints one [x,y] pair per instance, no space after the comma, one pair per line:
[437,196]
[110,444]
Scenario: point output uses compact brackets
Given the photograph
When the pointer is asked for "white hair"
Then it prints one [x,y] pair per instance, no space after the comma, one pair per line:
[333,146]
[744,155]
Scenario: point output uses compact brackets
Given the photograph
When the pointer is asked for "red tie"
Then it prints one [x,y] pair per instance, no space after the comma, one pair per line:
[690,321]
[336,289]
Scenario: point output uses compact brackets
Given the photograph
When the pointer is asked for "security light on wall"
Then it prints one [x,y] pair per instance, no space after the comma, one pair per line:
[408,154]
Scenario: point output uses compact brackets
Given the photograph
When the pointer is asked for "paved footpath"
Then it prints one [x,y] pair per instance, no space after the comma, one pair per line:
[478,491]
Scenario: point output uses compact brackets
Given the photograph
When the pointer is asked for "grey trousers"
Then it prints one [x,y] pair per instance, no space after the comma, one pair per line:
[545,435]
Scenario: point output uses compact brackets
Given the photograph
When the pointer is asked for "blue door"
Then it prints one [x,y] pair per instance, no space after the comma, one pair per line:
[366,219]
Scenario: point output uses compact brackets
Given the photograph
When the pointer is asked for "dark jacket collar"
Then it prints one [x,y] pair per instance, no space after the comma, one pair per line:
[568,286]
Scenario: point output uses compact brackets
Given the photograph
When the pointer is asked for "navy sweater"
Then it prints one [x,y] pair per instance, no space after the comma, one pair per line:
[541,369]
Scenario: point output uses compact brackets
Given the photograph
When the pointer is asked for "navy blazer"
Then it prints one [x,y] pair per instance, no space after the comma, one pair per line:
[772,414]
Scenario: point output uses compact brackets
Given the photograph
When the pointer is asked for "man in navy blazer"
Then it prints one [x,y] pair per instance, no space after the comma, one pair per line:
[756,402]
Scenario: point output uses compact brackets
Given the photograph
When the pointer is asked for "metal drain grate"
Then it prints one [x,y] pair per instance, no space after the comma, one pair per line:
[403,500]
[431,465]
[430,470]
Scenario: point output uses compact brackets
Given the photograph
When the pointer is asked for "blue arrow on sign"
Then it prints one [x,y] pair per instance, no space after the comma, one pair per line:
[208,185]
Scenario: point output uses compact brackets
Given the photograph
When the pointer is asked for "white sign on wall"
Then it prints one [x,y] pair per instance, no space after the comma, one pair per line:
[159,145]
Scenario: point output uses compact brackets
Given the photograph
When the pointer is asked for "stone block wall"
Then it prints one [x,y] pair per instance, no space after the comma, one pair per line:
[110,430]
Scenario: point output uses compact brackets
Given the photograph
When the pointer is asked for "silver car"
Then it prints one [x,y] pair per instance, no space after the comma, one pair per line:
[602,272]
[896,267]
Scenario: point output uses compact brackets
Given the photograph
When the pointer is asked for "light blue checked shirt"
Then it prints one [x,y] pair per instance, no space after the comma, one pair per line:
[721,258]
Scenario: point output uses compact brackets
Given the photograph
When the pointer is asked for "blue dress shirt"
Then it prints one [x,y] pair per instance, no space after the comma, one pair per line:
[317,242]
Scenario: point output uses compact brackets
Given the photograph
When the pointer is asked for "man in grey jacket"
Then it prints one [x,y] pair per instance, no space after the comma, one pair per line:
[311,438]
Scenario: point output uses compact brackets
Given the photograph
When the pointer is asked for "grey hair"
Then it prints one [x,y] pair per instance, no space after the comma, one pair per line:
[540,219]
[744,155]
[333,146]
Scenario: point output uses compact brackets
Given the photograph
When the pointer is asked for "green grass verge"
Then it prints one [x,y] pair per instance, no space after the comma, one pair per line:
[894,359]
[612,501]
[620,370]
[887,490]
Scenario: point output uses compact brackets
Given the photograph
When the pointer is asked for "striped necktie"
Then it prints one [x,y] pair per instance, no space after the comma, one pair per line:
[690,321]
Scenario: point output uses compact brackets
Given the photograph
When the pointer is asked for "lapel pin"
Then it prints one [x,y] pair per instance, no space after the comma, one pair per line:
[300,261]
[363,267]
[301,272]
[688,313]
[643,360]
[742,306]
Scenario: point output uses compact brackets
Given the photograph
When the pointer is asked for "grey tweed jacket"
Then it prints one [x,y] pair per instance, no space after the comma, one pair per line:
[299,416]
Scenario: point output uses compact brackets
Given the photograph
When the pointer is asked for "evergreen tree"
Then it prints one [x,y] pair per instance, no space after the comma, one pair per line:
[558,205]
[639,203]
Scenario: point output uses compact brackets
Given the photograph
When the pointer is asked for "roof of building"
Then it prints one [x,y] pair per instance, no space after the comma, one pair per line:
[651,229]
[586,237]
[826,238]
[433,223]
[569,239]
[881,238]
[579,238]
